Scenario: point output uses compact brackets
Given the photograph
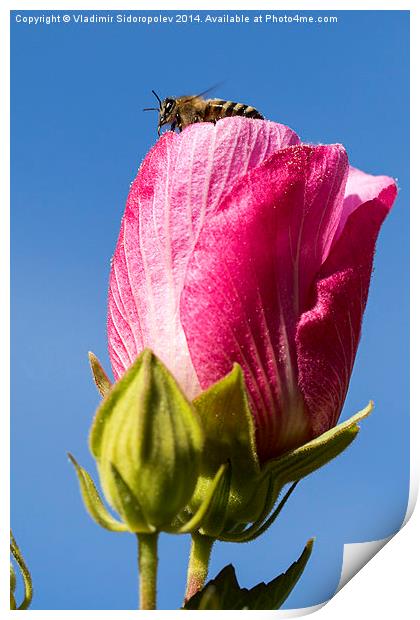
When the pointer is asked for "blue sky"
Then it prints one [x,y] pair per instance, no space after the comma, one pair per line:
[78,137]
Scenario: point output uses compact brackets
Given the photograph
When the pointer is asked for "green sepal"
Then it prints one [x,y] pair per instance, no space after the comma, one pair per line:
[93,502]
[214,503]
[263,523]
[228,427]
[215,518]
[252,499]
[100,377]
[130,509]
[229,436]
[26,577]
[297,464]
[224,592]
[148,430]
[292,467]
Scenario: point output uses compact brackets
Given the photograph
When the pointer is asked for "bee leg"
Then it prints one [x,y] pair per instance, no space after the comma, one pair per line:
[173,126]
[200,120]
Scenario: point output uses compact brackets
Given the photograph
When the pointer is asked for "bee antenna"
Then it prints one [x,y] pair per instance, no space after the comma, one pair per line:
[149,109]
[157,97]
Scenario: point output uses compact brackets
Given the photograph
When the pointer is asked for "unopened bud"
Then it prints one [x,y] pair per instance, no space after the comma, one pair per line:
[147,441]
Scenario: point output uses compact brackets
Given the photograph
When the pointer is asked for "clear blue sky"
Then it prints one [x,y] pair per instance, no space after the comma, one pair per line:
[78,137]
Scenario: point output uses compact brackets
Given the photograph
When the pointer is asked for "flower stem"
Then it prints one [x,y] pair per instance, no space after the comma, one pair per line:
[147,562]
[198,566]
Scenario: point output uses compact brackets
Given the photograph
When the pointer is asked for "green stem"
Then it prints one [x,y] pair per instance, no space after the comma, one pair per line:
[26,575]
[147,562]
[198,566]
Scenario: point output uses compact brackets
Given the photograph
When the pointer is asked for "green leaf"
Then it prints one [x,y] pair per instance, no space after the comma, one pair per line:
[99,375]
[224,592]
[230,436]
[26,576]
[273,594]
[301,462]
[209,601]
[93,502]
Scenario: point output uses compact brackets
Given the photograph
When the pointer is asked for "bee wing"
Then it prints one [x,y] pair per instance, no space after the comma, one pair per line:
[202,94]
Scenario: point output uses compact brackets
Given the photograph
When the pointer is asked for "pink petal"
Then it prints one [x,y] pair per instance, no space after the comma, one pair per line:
[179,185]
[328,334]
[362,187]
[250,278]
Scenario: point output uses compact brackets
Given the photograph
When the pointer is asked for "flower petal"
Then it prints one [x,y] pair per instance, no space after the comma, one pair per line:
[362,187]
[328,334]
[180,183]
[250,277]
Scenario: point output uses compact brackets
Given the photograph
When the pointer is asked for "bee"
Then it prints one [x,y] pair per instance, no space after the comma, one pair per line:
[184,111]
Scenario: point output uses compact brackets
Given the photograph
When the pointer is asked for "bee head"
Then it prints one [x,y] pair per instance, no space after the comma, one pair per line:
[167,111]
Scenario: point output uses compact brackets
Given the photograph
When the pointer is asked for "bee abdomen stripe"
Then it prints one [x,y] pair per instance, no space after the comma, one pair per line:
[239,108]
[228,108]
[252,112]
[219,108]
[214,109]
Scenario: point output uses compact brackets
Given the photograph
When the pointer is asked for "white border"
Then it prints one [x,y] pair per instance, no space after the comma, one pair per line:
[388,585]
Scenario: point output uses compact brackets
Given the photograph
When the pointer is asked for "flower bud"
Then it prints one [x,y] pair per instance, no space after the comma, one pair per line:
[274,279]
[147,441]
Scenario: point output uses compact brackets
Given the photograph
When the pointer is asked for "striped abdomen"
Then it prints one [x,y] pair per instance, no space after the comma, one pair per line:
[218,108]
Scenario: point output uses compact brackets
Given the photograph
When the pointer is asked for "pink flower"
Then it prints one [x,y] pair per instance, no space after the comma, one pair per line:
[238,244]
